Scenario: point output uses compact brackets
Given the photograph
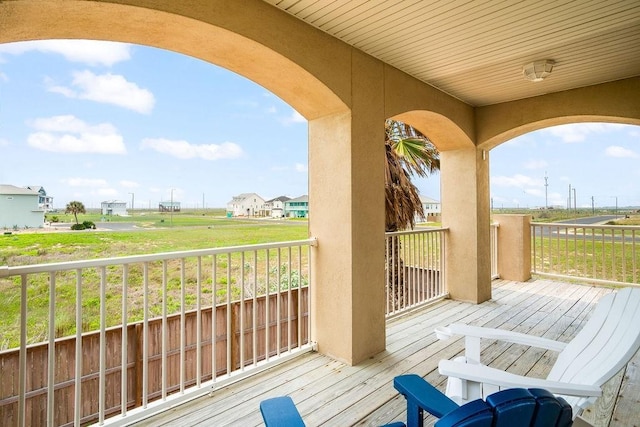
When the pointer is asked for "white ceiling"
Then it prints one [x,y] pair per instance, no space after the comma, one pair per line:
[475,49]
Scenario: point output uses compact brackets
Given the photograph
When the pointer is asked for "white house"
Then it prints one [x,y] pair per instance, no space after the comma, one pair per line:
[44,202]
[431,208]
[275,207]
[19,208]
[114,207]
[246,204]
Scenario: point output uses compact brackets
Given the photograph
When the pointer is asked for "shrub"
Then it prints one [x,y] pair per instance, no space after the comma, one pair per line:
[78,227]
[89,224]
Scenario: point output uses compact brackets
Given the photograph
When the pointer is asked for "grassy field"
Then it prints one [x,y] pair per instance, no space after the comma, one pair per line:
[152,235]
[156,233]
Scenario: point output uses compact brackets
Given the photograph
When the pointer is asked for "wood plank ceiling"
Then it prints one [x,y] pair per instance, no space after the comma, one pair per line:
[475,49]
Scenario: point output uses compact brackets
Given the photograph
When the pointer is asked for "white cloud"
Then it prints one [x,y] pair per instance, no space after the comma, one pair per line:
[90,52]
[299,167]
[85,182]
[129,184]
[4,142]
[68,134]
[519,181]
[617,151]
[108,192]
[295,117]
[535,164]
[106,88]
[4,77]
[577,132]
[185,150]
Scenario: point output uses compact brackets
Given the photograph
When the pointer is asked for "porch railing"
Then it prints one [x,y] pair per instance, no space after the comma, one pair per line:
[415,262]
[602,253]
[146,332]
[493,239]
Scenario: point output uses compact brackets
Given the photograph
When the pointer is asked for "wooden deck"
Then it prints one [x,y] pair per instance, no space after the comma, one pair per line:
[331,393]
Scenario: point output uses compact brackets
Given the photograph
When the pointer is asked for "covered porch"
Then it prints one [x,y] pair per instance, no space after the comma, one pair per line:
[329,392]
[346,87]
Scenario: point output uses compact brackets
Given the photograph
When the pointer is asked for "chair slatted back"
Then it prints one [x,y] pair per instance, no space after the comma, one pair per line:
[606,343]
[512,407]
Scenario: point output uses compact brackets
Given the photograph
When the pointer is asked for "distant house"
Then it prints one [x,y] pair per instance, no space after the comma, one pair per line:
[44,202]
[19,208]
[275,207]
[114,207]
[246,204]
[431,208]
[169,206]
[297,208]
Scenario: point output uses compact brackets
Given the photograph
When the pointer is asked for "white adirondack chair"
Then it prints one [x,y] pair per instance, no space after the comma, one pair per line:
[606,343]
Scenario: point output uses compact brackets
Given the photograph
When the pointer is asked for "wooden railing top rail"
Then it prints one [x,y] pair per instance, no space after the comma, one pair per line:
[416,231]
[595,226]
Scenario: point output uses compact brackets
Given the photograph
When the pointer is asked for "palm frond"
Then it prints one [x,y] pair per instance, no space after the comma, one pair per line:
[409,153]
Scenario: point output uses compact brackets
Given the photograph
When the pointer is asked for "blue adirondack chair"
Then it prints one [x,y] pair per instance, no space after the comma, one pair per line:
[282,412]
[517,407]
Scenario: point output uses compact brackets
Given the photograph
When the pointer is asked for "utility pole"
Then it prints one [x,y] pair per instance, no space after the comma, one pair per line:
[569,200]
[575,209]
[546,189]
[593,206]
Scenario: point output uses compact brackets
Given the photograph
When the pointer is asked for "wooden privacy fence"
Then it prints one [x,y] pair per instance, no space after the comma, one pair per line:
[281,321]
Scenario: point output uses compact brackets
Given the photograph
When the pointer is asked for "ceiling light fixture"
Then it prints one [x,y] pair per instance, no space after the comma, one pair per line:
[536,71]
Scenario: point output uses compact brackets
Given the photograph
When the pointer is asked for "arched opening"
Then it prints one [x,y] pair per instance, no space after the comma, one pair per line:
[575,166]
[105,122]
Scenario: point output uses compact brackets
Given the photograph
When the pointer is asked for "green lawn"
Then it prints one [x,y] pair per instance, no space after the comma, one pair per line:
[39,247]
[188,232]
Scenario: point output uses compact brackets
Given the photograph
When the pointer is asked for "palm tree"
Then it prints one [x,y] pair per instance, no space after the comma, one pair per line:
[408,153]
[75,208]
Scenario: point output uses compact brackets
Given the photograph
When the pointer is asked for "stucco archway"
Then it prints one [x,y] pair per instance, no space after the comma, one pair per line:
[442,131]
[613,102]
[224,39]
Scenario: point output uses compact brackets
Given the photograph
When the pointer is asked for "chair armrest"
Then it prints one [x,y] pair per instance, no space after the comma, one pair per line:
[415,389]
[280,412]
[485,374]
[498,334]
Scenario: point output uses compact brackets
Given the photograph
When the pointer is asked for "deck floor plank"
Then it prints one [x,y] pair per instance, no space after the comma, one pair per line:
[328,392]
[627,408]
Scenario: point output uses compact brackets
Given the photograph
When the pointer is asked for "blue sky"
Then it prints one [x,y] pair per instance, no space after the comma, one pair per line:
[94,121]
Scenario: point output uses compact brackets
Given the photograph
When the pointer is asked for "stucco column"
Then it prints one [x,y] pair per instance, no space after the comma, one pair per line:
[346,202]
[514,247]
[465,211]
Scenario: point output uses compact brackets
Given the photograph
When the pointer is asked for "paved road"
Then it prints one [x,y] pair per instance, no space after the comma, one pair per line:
[590,220]
[594,220]
[113,226]
[117,226]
